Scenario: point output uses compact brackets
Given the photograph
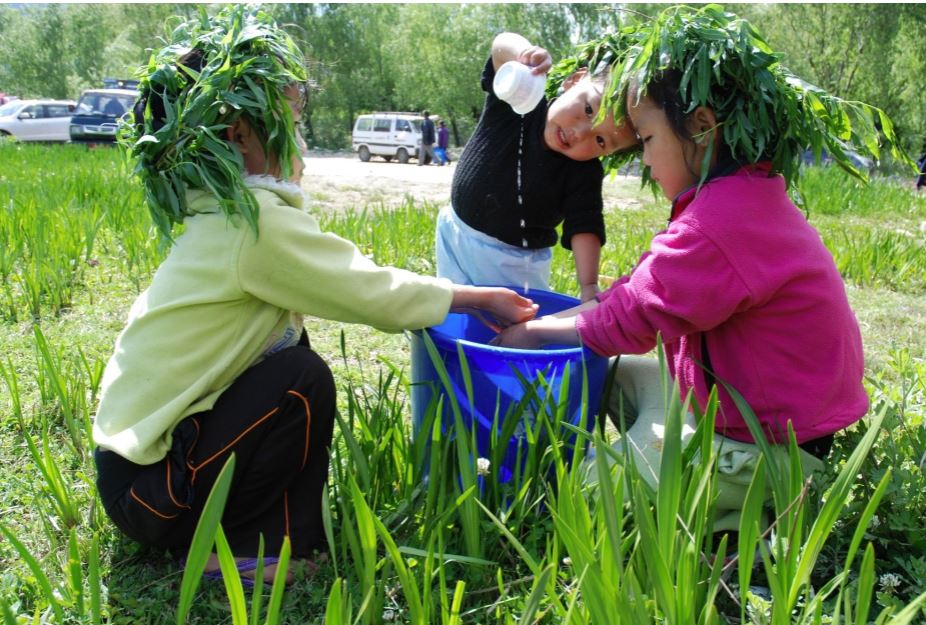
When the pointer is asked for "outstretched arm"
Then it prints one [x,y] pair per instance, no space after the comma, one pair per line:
[586,250]
[536,333]
[556,329]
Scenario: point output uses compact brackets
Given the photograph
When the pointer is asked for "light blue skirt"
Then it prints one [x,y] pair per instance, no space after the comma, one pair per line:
[467,256]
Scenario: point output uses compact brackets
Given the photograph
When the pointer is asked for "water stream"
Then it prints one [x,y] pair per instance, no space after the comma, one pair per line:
[527,260]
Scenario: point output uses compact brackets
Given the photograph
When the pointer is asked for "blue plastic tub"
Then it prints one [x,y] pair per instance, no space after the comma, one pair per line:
[501,377]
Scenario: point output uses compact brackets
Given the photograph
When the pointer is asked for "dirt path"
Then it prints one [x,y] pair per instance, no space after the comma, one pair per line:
[342,181]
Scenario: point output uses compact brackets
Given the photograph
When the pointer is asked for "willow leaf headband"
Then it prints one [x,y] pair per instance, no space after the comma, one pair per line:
[213,70]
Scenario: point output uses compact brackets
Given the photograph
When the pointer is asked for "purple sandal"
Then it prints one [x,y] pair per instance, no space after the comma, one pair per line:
[248,565]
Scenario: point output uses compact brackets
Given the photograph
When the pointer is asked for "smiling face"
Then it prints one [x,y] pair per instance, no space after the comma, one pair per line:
[674,162]
[571,129]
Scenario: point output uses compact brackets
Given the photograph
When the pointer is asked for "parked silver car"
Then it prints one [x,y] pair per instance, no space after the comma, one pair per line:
[37,120]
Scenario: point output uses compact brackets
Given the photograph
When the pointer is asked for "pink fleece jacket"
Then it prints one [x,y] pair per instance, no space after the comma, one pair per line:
[740,265]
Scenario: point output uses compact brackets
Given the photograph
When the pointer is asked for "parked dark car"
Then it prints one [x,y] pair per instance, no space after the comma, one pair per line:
[97,116]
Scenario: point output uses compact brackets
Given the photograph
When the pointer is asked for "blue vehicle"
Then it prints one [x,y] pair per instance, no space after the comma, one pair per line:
[96,118]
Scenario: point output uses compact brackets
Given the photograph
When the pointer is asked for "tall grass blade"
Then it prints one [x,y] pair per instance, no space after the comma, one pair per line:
[532,564]
[40,578]
[366,532]
[203,538]
[910,612]
[866,584]
[8,617]
[749,527]
[279,584]
[94,581]
[336,608]
[231,579]
[75,572]
[866,516]
[407,581]
[538,593]
[836,498]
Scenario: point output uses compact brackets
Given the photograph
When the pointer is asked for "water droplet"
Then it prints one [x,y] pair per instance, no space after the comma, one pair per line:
[524,244]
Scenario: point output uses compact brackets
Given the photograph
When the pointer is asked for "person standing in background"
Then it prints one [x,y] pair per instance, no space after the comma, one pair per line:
[427,140]
[921,166]
[443,142]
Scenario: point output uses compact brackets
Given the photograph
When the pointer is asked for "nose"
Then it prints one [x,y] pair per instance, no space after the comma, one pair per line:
[582,130]
[647,161]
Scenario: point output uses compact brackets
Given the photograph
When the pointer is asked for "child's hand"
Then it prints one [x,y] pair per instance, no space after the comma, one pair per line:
[509,307]
[496,307]
[536,333]
[537,58]
[517,337]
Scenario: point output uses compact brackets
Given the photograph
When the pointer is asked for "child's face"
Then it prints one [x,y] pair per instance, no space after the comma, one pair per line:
[256,161]
[674,164]
[570,128]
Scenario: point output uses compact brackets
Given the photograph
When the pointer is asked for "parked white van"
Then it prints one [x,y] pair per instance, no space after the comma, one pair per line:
[388,135]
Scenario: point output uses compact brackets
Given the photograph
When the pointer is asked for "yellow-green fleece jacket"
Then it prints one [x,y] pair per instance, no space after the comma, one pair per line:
[225,298]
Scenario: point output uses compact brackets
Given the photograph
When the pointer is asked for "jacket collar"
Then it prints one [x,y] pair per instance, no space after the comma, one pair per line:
[289,192]
[728,167]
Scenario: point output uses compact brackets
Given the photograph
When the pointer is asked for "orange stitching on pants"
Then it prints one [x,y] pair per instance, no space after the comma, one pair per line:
[150,509]
[286,512]
[308,424]
[190,450]
[170,491]
[231,444]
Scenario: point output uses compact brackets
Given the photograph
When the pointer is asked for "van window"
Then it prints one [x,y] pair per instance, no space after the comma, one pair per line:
[402,125]
[364,124]
[382,125]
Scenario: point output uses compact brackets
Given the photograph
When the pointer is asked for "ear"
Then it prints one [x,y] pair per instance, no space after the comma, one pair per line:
[574,77]
[238,134]
[702,124]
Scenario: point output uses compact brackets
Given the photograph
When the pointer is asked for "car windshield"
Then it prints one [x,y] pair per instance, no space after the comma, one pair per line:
[112,105]
[10,108]
[416,124]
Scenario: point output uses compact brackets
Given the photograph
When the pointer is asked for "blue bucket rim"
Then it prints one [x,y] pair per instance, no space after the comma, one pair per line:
[443,340]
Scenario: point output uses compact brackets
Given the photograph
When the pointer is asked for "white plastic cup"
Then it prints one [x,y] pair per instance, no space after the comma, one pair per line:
[515,84]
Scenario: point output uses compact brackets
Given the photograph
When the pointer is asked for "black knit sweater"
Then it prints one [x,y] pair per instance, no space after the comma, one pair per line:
[556,189]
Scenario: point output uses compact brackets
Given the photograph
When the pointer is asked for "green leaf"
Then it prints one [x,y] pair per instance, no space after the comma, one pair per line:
[203,538]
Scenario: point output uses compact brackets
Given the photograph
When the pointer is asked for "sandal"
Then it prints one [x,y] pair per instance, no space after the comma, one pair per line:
[248,565]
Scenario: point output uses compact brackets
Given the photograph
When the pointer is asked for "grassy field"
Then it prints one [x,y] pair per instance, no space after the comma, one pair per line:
[76,248]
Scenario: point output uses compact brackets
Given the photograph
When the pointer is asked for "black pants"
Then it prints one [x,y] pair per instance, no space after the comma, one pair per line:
[277,418]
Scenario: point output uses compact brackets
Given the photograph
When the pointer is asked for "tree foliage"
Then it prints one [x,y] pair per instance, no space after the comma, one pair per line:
[370,57]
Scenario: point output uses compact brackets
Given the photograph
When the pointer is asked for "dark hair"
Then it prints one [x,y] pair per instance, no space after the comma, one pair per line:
[194,60]
[663,91]
[426,114]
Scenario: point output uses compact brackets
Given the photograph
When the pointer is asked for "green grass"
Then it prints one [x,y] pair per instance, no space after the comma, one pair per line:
[74,253]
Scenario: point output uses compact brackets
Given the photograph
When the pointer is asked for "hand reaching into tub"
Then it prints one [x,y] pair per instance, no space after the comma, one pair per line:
[558,329]
[496,307]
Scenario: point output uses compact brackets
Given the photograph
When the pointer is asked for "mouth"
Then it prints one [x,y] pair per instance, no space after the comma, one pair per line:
[561,136]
